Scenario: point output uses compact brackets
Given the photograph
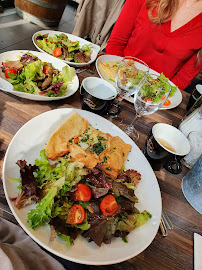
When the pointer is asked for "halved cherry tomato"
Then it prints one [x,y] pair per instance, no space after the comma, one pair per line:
[163,97]
[83,193]
[167,102]
[108,205]
[10,70]
[76,140]
[45,69]
[148,99]
[57,52]
[76,214]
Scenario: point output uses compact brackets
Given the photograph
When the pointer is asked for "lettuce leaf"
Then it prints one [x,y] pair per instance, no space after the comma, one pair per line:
[130,222]
[43,45]
[42,212]
[66,75]
[65,237]
[34,71]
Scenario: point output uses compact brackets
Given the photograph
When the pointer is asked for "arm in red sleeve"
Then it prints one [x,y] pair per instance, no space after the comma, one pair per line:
[123,27]
[186,74]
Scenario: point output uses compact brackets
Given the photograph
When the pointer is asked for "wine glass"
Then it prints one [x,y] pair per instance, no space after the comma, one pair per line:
[130,75]
[149,98]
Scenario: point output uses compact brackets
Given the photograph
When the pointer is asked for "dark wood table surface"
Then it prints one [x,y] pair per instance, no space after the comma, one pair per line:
[172,252]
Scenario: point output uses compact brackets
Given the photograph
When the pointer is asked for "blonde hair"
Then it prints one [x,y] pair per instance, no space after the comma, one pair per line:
[164,9]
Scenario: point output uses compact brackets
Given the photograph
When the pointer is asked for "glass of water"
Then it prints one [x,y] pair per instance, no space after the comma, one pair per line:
[130,76]
[149,98]
[195,140]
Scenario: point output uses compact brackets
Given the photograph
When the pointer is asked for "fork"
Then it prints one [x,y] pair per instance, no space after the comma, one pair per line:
[165,224]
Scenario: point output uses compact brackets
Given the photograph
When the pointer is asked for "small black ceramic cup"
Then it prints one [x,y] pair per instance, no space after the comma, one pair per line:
[97,95]
[165,147]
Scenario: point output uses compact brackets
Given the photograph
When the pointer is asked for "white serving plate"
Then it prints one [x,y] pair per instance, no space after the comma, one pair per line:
[95,48]
[175,100]
[28,142]
[14,55]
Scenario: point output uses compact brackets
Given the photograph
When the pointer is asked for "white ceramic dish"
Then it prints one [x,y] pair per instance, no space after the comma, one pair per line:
[8,87]
[95,48]
[28,142]
[175,100]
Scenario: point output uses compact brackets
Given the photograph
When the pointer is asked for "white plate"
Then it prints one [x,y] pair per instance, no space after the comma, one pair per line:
[14,55]
[28,142]
[175,100]
[95,48]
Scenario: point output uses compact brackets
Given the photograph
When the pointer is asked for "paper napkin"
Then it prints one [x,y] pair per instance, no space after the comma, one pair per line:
[197,251]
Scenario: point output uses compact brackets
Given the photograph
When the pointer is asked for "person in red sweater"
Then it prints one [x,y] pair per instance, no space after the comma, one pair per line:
[165,34]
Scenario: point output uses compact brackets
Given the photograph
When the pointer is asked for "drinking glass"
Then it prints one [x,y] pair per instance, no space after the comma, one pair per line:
[195,140]
[130,75]
[149,98]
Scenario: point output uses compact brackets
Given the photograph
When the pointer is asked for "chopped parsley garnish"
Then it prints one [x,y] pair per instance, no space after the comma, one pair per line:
[84,140]
[105,159]
[98,148]
[71,140]
[101,139]
[108,169]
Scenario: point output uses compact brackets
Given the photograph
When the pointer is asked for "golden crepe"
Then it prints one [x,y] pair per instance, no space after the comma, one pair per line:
[110,68]
[77,153]
[83,143]
[114,156]
[72,127]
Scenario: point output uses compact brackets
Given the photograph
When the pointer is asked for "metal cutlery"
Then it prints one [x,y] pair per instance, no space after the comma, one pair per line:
[165,224]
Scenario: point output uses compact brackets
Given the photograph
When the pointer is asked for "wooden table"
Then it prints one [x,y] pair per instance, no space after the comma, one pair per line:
[172,252]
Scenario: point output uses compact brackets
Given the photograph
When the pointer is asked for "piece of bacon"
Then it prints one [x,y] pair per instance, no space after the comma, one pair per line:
[17,65]
[55,88]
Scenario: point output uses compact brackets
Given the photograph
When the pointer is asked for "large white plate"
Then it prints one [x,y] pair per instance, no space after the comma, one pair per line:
[95,48]
[27,143]
[14,55]
[175,100]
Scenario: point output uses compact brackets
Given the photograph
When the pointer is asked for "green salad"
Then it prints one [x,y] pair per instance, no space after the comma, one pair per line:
[154,89]
[30,75]
[63,48]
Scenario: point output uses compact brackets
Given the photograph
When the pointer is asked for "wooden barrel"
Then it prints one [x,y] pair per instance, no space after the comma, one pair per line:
[41,12]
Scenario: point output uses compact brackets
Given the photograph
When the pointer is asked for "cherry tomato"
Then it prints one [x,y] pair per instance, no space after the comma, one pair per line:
[57,52]
[83,193]
[10,70]
[148,99]
[163,97]
[76,140]
[108,205]
[76,214]
[167,102]
[45,69]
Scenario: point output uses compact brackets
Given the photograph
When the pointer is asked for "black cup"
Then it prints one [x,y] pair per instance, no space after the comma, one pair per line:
[158,155]
[97,95]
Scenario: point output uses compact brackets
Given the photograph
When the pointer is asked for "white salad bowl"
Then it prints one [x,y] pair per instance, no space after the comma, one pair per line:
[94,48]
[15,55]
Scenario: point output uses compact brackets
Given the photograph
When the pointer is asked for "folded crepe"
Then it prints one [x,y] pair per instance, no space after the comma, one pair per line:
[74,126]
[114,156]
[110,68]
[78,154]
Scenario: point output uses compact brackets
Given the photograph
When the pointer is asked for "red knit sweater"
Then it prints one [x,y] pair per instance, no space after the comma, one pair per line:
[173,53]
